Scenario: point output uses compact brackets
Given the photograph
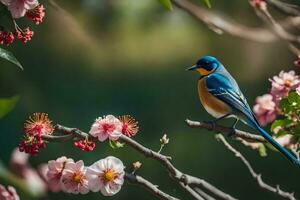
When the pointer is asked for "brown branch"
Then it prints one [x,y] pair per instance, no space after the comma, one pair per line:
[60,138]
[203,194]
[192,192]
[220,24]
[197,182]
[285,8]
[290,22]
[173,172]
[182,179]
[225,130]
[138,180]
[256,176]
[263,12]
[266,16]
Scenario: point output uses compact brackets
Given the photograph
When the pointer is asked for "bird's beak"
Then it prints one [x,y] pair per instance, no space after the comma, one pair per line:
[191,68]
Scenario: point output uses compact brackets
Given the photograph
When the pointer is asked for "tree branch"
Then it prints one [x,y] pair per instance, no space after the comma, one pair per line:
[138,180]
[257,177]
[220,24]
[182,179]
[266,16]
[203,194]
[225,130]
[197,182]
[173,172]
[285,8]
[263,12]
[194,193]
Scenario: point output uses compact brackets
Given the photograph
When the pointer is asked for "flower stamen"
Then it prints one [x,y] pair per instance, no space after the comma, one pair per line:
[109,175]
[130,125]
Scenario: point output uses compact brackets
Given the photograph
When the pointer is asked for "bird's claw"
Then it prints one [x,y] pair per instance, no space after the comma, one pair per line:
[231,133]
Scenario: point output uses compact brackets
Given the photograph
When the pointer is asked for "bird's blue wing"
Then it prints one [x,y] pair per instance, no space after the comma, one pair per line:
[226,89]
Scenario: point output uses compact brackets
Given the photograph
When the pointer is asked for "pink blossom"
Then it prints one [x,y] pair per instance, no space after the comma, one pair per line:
[107,127]
[18,8]
[54,172]
[9,193]
[73,179]
[106,176]
[19,162]
[283,83]
[43,170]
[265,109]
[286,141]
[19,165]
[37,14]
[298,90]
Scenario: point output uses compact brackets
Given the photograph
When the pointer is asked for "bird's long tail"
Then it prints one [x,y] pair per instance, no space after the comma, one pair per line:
[280,148]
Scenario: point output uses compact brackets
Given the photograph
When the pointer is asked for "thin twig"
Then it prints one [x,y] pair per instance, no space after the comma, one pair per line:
[225,130]
[256,176]
[192,192]
[182,179]
[203,194]
[284,7]
[60,138]
[263,12]
[290,22]
[197,182]
[220,24]
[136,179]
[174,172]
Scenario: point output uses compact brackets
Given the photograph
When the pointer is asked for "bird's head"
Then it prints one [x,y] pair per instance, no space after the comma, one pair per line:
[206,65]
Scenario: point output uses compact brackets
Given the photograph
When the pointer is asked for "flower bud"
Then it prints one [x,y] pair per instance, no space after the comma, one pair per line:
[136,165]
[164,140]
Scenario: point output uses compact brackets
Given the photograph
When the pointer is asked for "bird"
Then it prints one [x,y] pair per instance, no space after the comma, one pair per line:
[222,98]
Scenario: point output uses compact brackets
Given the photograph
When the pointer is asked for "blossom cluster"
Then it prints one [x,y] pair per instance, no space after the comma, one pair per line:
[105,176]
[267,105]
[8,193]
[34,128]
[111,127]
[270,106]
[19,168]
[18,9]
[106,127]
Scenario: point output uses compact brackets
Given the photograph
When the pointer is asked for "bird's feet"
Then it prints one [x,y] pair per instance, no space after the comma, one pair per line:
[232,132]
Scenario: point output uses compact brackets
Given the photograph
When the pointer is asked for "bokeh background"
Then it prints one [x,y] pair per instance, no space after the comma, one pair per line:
[91,58]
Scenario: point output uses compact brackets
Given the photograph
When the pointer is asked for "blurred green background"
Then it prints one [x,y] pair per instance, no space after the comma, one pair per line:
[129,57]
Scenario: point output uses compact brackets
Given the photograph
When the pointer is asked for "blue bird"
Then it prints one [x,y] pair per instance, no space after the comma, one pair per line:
[221,97]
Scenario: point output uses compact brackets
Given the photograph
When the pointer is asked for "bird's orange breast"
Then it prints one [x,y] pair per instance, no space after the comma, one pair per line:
[212,105]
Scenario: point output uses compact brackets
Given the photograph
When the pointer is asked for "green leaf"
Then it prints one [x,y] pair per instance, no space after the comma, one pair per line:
[10,57]
[207,2]
[284,125]
[285,106]
[7,104]
[276,124]
[294,99]
[282,133]
[262,150]
[296,130]
[115,144]
[167,4]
